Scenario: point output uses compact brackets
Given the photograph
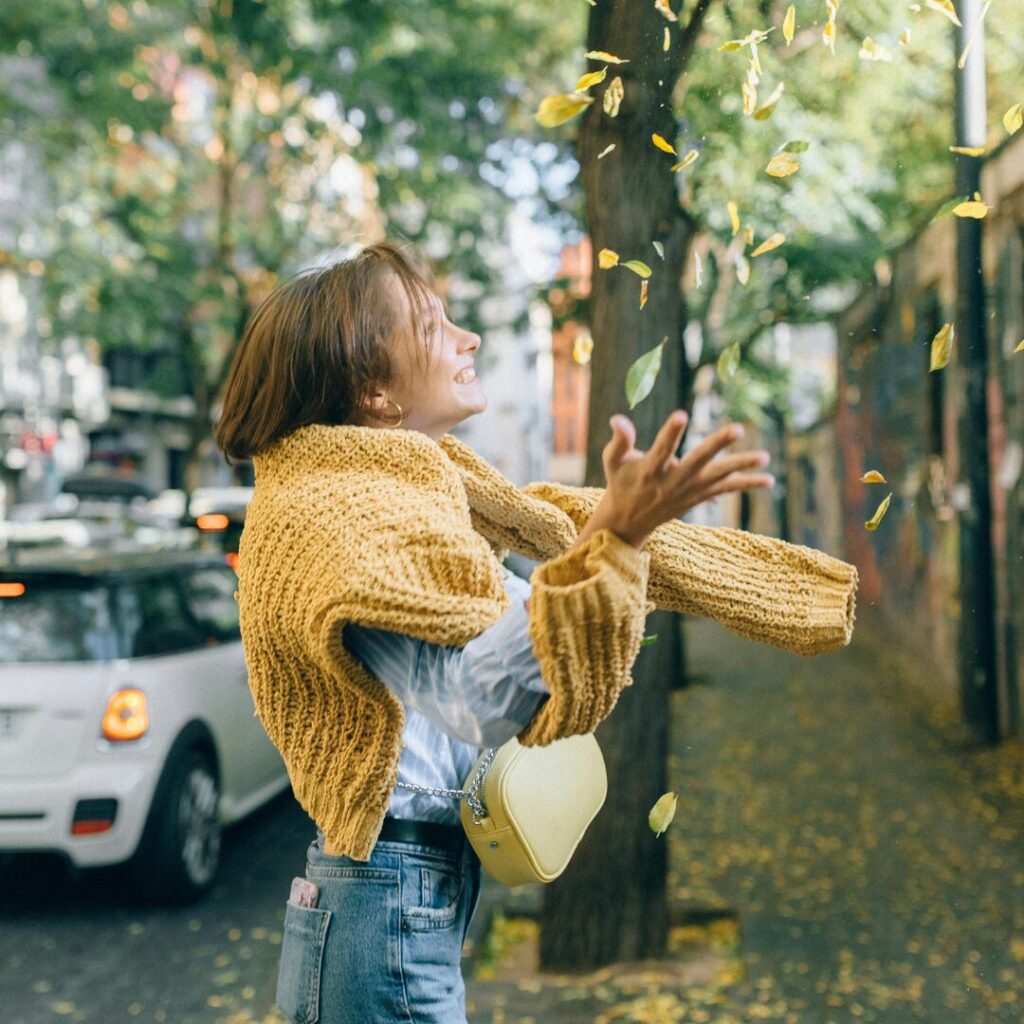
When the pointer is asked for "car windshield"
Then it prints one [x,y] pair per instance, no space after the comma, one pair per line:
[55,620]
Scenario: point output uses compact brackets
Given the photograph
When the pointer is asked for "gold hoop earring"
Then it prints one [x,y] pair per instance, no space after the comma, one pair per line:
[401,415]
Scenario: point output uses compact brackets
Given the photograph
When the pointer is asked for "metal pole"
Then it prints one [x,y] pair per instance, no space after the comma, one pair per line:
[977,654]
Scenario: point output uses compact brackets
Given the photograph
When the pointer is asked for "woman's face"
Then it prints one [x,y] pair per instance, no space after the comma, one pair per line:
[432,398]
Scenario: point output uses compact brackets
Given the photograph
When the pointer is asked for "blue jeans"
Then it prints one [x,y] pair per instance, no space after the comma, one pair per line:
[384,943]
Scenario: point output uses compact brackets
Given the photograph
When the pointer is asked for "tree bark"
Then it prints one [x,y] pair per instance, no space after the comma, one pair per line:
[612,904]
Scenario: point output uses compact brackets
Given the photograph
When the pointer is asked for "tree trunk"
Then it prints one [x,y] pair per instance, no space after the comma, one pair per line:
[611,904]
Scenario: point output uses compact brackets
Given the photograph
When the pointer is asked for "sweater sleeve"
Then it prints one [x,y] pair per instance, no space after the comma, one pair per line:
[788,595]
[587,610]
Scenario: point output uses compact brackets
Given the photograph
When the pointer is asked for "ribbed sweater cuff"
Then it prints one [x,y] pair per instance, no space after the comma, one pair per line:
[587,609]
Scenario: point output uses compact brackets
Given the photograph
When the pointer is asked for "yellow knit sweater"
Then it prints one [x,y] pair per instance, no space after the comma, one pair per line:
[392,530]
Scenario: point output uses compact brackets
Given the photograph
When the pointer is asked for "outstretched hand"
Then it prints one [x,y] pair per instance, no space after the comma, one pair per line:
[646,489]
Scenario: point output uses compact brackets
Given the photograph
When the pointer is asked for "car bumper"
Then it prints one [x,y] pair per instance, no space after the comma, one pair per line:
[36,814]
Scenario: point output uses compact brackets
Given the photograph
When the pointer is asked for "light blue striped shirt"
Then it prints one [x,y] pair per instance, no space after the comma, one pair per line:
[457,700]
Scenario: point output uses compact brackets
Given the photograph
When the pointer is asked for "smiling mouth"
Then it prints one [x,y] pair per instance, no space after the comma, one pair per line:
[467,376]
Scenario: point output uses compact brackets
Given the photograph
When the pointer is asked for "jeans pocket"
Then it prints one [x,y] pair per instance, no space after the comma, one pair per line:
[302,950]
[436,899]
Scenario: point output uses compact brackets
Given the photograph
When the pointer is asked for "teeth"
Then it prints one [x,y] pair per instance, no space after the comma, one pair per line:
[466,376]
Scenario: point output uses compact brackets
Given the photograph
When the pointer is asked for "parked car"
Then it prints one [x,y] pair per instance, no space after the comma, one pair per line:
[127,728]
[218,513]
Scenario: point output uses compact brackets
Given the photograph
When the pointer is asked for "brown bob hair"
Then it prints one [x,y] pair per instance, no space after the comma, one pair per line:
[320,345]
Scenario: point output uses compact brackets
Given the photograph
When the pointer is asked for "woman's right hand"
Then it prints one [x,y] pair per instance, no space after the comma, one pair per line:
[646,489]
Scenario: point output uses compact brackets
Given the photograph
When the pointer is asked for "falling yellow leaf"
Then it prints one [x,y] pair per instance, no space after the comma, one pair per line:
[872,523]
[662,7]
[789,24]
[734,215]
[667,41]
[607,258]
[969,150]
[690,158]
[661,814]
[767,108]
[592,78]
[613,96]
[971,208]
[905,37]
[749,94]
[1014,118]
[748,235]
[771,242]
[606,56]
[942,346]
[828,35]
[605,151]
[872,476]
[662,144]
[870,50]
[638,267]
[731,46]
[781,165]
[582,347]
[962,62]
[742,269]
[698,272]
[1019,348]
[944,7]
[556,110]
[643,292]
[728,361]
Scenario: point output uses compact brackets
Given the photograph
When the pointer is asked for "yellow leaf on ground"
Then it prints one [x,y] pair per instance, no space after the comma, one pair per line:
[872,523]
[607,258]
[872,476]
[942,346]
[690,158]
[734,215]
[662,7]
[613,96]
[605,55]
[661,814]
[605,151]
[1014,118]
[771,242]
[971,208]
[662,144]
[556,110]
[789,24]
[782,164]
[591,78]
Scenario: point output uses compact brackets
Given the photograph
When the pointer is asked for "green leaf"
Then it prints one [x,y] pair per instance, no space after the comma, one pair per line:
[643,373]
[648,640]
[638,267]
[728,361]
[659,249]
[661,814]
[796,146]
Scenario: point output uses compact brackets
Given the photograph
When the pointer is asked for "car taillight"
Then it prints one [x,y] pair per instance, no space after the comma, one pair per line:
[12,589]
[127,715]
[212,521]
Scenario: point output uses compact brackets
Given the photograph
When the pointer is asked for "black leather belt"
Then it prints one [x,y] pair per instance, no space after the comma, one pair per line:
[425,833]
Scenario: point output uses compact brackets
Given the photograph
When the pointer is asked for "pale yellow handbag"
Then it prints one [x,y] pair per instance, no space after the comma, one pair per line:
[526,808]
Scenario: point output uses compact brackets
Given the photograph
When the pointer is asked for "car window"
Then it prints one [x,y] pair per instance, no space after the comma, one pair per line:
[210,595]
[154,619]
[57,620]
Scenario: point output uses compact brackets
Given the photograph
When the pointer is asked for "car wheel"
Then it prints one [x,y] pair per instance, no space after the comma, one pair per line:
[177,858]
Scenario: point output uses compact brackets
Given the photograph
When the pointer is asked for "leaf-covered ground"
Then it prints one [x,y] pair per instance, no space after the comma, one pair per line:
[873,859]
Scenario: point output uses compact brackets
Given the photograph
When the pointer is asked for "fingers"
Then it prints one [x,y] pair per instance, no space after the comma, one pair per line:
[667,441]
[739,482]
[703,453]
[623,439]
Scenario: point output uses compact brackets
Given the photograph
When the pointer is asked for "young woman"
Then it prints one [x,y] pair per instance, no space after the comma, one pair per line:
[360,357]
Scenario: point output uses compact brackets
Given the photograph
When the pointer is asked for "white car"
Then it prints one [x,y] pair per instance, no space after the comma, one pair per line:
[127,728]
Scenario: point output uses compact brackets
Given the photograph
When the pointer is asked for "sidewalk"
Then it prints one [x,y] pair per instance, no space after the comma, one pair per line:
[874,858]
